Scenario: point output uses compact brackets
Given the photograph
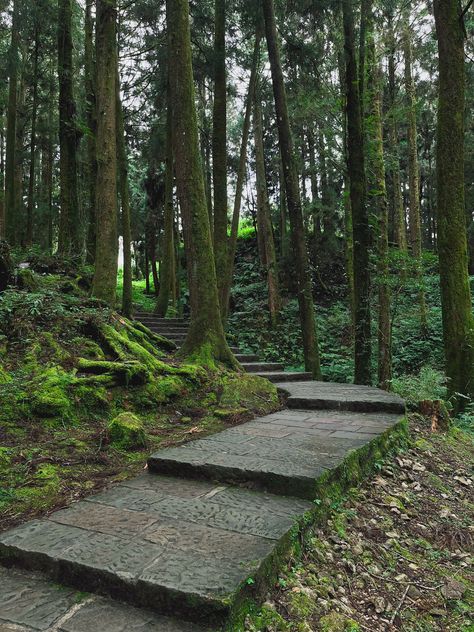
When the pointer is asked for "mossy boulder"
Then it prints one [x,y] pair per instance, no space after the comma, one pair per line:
[126,431]
[27,280]
[51,397]
[336,622]
[243,390]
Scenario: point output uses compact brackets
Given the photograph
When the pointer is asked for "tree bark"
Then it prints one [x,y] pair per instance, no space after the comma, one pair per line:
[11,209]
[264,220]
[90,111]
[219,149]
[34,114]
[106,259]
[413,170]
[458,325]
[360,221]
[300,253]
[205,342]
[69,227]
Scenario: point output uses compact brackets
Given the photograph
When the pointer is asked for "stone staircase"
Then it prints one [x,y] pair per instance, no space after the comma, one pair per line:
[176,329]
[184,546]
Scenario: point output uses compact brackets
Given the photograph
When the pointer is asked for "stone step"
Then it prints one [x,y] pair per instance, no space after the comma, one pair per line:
[286,376]
[29,601]
[168,332]
[247,357]
[163,321]
[259,367]
[283,453]
[327,395]
[179,547]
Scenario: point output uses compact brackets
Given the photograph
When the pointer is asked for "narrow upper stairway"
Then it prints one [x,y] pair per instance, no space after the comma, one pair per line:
[176,329]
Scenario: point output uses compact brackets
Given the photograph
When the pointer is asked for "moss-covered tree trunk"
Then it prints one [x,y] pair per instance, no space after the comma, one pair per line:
[106,259]
[360,220]
[124,189]
[241,172]
[168,266]
[264,219]
[414,214]
[205,341]
[219,148]
[11,210]
[293,197]
[34,116]
[399,222]
[378,203]
[69,225]
[90,112]
[458,325]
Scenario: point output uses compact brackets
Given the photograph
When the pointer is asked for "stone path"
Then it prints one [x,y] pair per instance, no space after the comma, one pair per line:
[183,539]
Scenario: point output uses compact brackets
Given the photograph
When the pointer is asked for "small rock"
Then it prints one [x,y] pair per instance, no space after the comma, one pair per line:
[413,592]
[453,589]
[379,604]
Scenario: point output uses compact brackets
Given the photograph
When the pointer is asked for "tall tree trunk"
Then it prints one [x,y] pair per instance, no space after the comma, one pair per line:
[91,168]
[69,227]
[379,206]
[234,231]
[413,169]
[360,221]
[300,253]
[458,325]
[11,209]
[265,227]
[106,259]
[219,148]
[168,268]
[34,113]
[124,189]
[314,190]
[2,175]
[205,341]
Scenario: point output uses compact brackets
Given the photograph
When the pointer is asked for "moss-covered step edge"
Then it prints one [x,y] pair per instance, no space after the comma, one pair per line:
[331,487]
[227,612]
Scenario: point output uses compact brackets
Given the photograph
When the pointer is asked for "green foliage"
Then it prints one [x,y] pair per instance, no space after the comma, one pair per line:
[51,396]
[429,384]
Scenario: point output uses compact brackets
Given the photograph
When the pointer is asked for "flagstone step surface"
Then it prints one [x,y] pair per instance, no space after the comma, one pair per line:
[286,376]
[256,367]
[323,395]
[29,602]
[284,452]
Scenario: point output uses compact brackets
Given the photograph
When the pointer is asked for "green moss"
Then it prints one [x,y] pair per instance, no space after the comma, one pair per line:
[126,432]
[91,395]
[4,377]
[228,413]
[336,622]
[88,348]
[27,280]
[242,390]
[51,393]
[160,390]
[301,605]
[125,373]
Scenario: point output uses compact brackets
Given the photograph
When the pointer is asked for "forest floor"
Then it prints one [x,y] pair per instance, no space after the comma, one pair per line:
[397,554]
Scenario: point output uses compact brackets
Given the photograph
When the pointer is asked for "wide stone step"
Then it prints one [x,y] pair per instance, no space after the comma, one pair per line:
[247,357]
[29,601]
[283,453]
[327,395]
[259,367]
[163,321]
[180,547]
[287,376]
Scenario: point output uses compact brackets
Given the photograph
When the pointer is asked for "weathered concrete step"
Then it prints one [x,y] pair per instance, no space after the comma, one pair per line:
[259,367]
[283,453]
[287,376]
[332,396]
[165,322]
[29,601]
[247,357]
[177,546]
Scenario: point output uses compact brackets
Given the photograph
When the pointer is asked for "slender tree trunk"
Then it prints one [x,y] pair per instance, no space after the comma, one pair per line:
[2,175]
[458,324]
[69,227]
[11,209]
[314,190]
[413,170]
[34,113]
[91,167]
[106,259]
[360,221]
[205,341]
[300,253]
[264,215]
[122,163]
[219,149]
[379,206]
[234,232]
[168,270]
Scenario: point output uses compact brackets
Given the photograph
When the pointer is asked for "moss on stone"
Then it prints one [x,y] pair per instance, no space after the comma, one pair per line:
[336,622]
[130,372]
[160,390]
[27,280]
[126,431]
[51,396]
[243,390]
[301,605]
